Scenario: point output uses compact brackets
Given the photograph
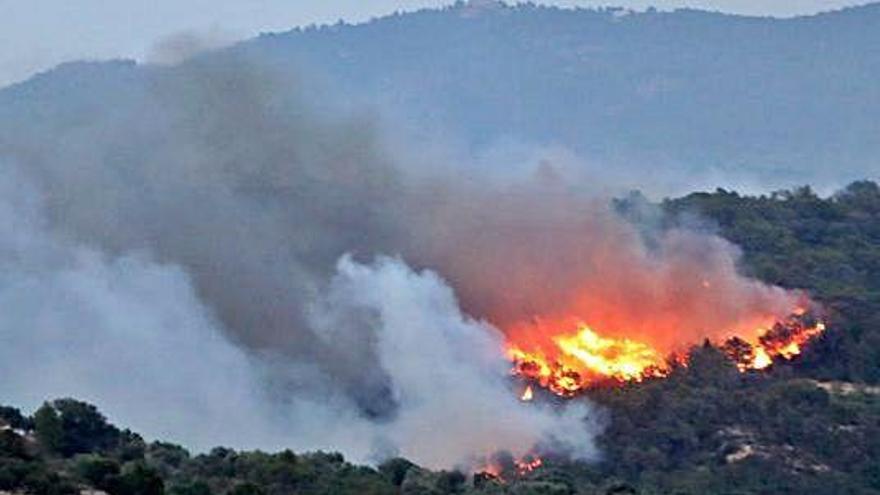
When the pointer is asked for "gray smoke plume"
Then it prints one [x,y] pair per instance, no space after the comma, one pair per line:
[205,242]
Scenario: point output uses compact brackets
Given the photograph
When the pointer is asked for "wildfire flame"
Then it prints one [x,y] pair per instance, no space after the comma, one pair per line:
[784,341]
[578,359]
[504,471]
[527,465]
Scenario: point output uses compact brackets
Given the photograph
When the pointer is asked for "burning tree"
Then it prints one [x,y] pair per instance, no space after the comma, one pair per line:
[582,359]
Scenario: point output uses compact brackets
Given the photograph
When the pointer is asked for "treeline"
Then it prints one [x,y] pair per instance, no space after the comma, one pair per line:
[809,426]
[710,429]
[707,429]
[827,246]
[68,446]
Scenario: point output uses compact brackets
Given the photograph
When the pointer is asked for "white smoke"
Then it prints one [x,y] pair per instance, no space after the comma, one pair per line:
[124,332]
[132,336]
[174,257]
[447,371]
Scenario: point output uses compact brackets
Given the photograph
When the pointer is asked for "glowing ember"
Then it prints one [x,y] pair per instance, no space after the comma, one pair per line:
[784,341]
[527,465]
[585,357]
[527,395]
[762,360]
[503,468]
[621,359]
[577,360]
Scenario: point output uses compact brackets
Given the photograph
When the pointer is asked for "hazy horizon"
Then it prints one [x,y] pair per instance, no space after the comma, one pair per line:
[39,38]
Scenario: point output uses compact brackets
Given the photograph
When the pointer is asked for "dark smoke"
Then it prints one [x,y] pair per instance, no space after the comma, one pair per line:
[194,229]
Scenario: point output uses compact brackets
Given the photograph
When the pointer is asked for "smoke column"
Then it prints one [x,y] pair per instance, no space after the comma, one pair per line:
[268,273]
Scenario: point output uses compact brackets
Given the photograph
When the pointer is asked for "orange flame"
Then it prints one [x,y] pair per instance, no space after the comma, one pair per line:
[574,361]
[784,341]
[527,465]
[512,469]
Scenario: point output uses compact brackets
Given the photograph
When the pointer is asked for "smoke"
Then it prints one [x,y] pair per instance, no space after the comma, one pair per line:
[214,247]
[130,333]
[184,45]
[544,250]
[446,372]
[123,331]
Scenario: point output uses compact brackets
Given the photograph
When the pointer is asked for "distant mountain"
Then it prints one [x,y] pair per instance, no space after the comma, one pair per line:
[686,88]
[794,100]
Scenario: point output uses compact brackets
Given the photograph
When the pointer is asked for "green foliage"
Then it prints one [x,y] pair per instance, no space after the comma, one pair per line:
[395,469]
[49,429]
[246,488]
[830,247]
[96,470]
[12,445]
[225,471]
[166,457]
[451,481]
[191,488]
[12,417]
[34,477]
[68,427]
[710,429]
[137,478]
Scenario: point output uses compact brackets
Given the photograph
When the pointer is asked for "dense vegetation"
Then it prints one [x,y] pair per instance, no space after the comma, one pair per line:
[829,247]
[810,426]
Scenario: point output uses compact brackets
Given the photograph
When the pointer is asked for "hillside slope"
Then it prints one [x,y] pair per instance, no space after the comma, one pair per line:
[779,102]
[689,89]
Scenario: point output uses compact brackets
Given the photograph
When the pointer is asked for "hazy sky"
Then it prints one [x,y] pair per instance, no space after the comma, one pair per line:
[38,34]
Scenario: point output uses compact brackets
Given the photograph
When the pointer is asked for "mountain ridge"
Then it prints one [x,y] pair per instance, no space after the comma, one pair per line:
[777,101]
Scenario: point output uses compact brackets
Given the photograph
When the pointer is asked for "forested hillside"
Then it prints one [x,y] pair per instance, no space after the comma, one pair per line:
[688,89]
[830,247]
[809,426]
[762,100]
